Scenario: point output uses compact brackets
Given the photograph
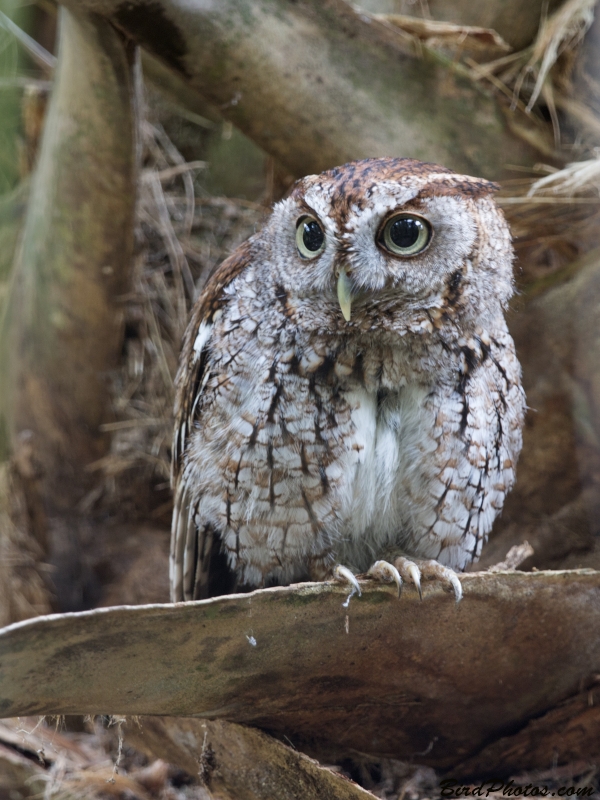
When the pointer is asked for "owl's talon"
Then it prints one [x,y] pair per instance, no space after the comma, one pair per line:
[344,575]
[457,586]
[436,571]
[386,573]
[410,572]
[452,579]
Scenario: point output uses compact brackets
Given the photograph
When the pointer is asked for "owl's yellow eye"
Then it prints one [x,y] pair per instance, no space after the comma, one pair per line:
[310,237]
[405,234]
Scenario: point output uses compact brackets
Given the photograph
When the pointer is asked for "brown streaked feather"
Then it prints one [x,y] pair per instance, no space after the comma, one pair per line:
[190,373]
[351,182]
[199,568]
[464,187]
[179,533]
[212,576]
[194,553]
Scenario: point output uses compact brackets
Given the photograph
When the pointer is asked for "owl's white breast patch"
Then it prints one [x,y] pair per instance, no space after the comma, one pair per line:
[383,470]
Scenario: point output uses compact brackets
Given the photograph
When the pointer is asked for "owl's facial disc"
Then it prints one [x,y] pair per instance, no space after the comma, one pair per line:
[401,234]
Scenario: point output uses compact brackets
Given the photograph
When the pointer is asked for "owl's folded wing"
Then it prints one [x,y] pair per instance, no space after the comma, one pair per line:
[194,553]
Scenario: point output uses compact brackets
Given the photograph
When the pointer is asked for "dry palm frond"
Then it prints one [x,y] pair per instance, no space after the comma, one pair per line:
[555,218]
[584,117]
[542,69]
[63,765]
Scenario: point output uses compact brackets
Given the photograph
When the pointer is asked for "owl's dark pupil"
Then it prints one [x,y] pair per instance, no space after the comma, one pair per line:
[312,235]
[405,232]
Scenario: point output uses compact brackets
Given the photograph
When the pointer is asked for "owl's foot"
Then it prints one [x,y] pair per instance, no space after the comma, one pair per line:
[384,572]
[344,575]
[413,570]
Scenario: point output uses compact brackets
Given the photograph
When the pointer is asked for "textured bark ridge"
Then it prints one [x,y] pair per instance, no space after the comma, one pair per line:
[430,681]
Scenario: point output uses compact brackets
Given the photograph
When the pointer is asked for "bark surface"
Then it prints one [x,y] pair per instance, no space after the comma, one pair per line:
[239,763]
[428,681]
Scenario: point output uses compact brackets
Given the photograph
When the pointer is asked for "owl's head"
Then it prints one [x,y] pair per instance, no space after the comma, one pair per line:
[391,235]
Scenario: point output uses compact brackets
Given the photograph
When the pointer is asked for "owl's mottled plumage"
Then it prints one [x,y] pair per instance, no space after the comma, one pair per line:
[303,440]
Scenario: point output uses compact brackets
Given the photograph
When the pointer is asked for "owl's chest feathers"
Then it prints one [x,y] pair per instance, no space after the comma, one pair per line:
[324,436]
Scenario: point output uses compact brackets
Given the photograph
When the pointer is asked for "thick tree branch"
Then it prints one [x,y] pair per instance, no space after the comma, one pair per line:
[239,763]
[385,676]
[316,84]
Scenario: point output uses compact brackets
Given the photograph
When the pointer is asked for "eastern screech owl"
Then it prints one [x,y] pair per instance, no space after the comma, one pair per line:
[348,389]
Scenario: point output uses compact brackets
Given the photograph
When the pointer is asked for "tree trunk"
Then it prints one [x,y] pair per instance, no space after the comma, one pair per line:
[61,330]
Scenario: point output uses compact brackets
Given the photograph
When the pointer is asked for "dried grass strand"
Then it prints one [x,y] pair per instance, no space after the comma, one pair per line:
[560,32]
[188,184]
[575,178]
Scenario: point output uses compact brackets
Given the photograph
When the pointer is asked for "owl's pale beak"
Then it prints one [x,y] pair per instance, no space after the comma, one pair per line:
[344,293]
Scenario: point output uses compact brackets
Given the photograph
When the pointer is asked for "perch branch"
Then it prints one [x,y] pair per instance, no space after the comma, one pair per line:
[386,676]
